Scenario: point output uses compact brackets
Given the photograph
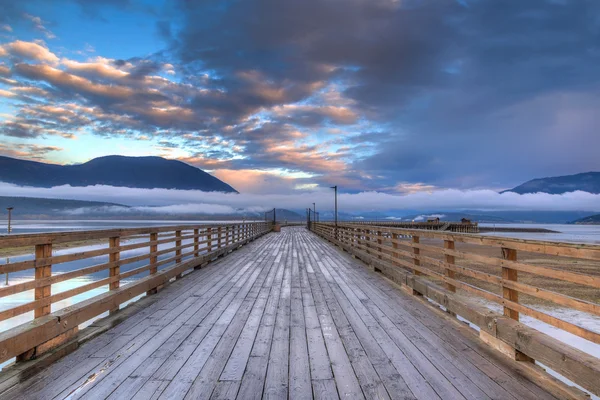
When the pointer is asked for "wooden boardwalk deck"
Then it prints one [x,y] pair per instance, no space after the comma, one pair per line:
[288,315]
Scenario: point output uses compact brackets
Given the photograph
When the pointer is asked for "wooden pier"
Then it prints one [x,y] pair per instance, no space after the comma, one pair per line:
[287,315]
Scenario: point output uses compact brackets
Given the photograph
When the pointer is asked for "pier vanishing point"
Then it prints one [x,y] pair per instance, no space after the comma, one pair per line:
[324,311]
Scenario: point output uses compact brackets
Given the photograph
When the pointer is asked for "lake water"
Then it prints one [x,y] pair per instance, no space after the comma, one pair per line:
[39,226]
[567,233]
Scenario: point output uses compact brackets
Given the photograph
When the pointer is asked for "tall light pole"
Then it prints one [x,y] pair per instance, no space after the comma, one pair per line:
[336,214]
[9,217]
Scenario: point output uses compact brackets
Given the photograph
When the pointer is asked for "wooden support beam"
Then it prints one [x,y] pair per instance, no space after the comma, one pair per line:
[503,347]
[178,251]
[114,257]
[416,251]
[196,242]
[510,275]
[153,259]
[449,245]
[43,251]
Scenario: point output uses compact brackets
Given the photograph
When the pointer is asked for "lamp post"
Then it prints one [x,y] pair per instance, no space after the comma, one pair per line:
[9,217]
[336,213]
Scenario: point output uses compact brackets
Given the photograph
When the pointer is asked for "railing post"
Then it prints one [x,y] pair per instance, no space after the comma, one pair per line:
[114,257]
[417,252]
[219,237]
[43,251]
[510,274]
[196,242]
[379,245]
[209,238]
[449,245]
[178,251]
[394,244]
[153,259]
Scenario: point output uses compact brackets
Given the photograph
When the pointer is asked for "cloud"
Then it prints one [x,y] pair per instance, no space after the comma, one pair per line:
[31,151]
[177,209]
[369,94]
[28,50]
[6,93]
[182,201]
[38,24]
[5,28]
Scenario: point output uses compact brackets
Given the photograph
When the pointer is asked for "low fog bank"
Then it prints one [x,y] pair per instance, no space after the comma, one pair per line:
[168,201]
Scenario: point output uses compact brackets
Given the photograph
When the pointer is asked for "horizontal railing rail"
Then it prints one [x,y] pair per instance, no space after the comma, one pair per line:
[523,277]
[154,255]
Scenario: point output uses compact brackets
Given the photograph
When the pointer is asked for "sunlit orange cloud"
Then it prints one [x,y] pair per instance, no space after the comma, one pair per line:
[342,115]
[61,78]
[255,181]
[305,157]
[29,50]
[407,187]
[28,151]
[100,66]
[205,163]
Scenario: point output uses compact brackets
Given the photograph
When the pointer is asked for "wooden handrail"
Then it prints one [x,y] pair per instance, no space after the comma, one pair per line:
[205,242]
[420,259]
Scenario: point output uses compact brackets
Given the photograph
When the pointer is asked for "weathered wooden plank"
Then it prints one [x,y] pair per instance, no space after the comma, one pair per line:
[112,347]
[277,379]
[287,316]
[345,376]
[324,389]
[517,380]
[255,299]
[255,373]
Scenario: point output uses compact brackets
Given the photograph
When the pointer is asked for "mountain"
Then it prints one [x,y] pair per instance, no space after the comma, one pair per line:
[587,182]
[132,172]
[591,220]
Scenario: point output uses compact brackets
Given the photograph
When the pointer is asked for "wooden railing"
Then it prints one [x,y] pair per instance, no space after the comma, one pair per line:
[169,252]
[522,277]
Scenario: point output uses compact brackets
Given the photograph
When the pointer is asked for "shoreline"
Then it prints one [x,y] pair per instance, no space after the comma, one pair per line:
[486,229]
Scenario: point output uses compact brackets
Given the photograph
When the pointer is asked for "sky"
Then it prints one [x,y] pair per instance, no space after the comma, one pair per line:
[283,97]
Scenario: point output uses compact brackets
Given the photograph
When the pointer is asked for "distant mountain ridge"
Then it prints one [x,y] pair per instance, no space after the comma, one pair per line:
[586,182]
[132,172]
[591,220]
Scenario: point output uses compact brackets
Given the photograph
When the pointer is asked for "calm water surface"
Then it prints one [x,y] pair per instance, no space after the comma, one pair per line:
[567,233]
